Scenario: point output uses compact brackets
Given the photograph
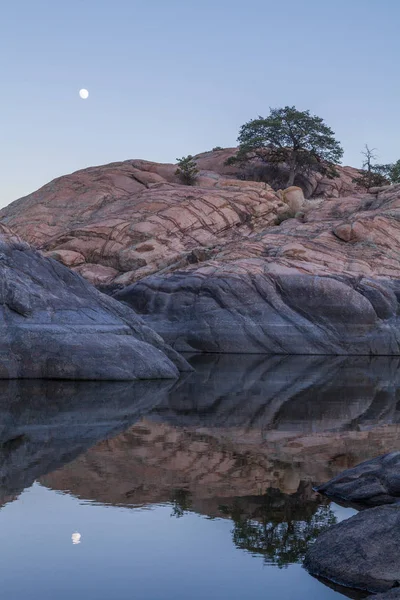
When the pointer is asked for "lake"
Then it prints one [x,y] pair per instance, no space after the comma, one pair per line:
[199,488]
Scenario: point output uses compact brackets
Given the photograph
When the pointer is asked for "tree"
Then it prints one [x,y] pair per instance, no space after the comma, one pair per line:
[394,172]
[372,175]
[187,170]
[300,141]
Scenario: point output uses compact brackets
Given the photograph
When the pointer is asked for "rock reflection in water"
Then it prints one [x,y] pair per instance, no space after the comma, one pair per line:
[46,424]
[245,438]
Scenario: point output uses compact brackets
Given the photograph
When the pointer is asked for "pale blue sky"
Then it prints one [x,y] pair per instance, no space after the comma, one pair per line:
[172,77]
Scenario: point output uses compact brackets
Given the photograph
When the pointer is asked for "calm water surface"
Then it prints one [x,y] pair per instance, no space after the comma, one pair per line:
[196,489]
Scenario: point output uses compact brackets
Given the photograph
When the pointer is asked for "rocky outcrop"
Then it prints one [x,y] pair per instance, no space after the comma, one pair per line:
[55,325]
[121,222]
[298,288]
[223,266]
[361,552]
[314,185]
[391,595]
[240,308]
[372,483]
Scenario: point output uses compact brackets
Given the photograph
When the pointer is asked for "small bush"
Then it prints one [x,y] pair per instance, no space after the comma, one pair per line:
[217,148]
[187,170]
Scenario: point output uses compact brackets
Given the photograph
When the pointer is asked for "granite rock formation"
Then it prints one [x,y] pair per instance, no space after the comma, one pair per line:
[57,326]
[360,552]
[372,483]
[118,223]
[329,285]
[223,266]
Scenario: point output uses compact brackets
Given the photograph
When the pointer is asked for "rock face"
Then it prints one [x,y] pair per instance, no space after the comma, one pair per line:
[372,483]
[222,266]
[391,595]
[313,185]
[296,288]
[55,325]
[118,223]
[361,552]
[242,309]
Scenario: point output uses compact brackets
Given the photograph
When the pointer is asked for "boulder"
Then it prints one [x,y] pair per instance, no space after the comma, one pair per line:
[55,325]
[371,483]
[293,196]
[391,595]
[245,309]
[361,552]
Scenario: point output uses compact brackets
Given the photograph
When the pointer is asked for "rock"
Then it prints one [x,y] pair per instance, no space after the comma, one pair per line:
[293,196]
[361,552]
[371,483]
[391,595]
[57,326]
[116,224]
[314,185]
[243,308]
[257,286]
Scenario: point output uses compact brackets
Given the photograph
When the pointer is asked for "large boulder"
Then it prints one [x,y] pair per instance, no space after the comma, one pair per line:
[361,552]
[55,325]
[245,309]
[372,483]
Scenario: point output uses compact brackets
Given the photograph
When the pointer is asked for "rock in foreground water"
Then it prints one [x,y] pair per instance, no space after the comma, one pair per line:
[55,325]
[361,552]
[372,483]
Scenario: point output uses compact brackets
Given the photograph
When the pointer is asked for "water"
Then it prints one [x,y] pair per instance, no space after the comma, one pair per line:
[196,489]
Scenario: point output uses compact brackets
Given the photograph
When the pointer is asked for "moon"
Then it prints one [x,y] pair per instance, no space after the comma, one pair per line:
[84,94]
[76,538]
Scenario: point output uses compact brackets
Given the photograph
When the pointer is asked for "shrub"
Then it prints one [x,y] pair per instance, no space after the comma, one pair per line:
[187,170]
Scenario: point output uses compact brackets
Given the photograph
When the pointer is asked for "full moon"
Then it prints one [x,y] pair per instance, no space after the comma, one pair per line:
[84,94]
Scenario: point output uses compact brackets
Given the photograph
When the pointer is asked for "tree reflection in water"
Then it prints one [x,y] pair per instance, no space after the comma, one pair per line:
[278,526]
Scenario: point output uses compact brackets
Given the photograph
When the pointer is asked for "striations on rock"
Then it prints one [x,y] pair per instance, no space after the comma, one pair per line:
[55,325]
[208,266]
[372,483]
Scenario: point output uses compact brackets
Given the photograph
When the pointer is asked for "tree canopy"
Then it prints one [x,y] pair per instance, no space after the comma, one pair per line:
[299,140]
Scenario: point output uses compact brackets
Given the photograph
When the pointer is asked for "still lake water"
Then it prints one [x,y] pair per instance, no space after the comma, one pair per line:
[200,488]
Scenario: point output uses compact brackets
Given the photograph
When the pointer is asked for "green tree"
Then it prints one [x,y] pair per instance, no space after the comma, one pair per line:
[300,141]
[187,170]
[372,174]
[394,172]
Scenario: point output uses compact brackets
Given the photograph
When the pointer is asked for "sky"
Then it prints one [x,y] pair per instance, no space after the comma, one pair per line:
[169,78]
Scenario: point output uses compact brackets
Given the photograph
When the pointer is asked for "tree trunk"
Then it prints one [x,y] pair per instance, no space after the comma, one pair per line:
[292,169]
[292,175]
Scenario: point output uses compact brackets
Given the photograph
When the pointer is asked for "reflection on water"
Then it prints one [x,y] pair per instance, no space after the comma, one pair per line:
[231,452]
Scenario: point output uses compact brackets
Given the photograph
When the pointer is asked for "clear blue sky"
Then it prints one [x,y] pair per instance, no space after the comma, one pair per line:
[172,77]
